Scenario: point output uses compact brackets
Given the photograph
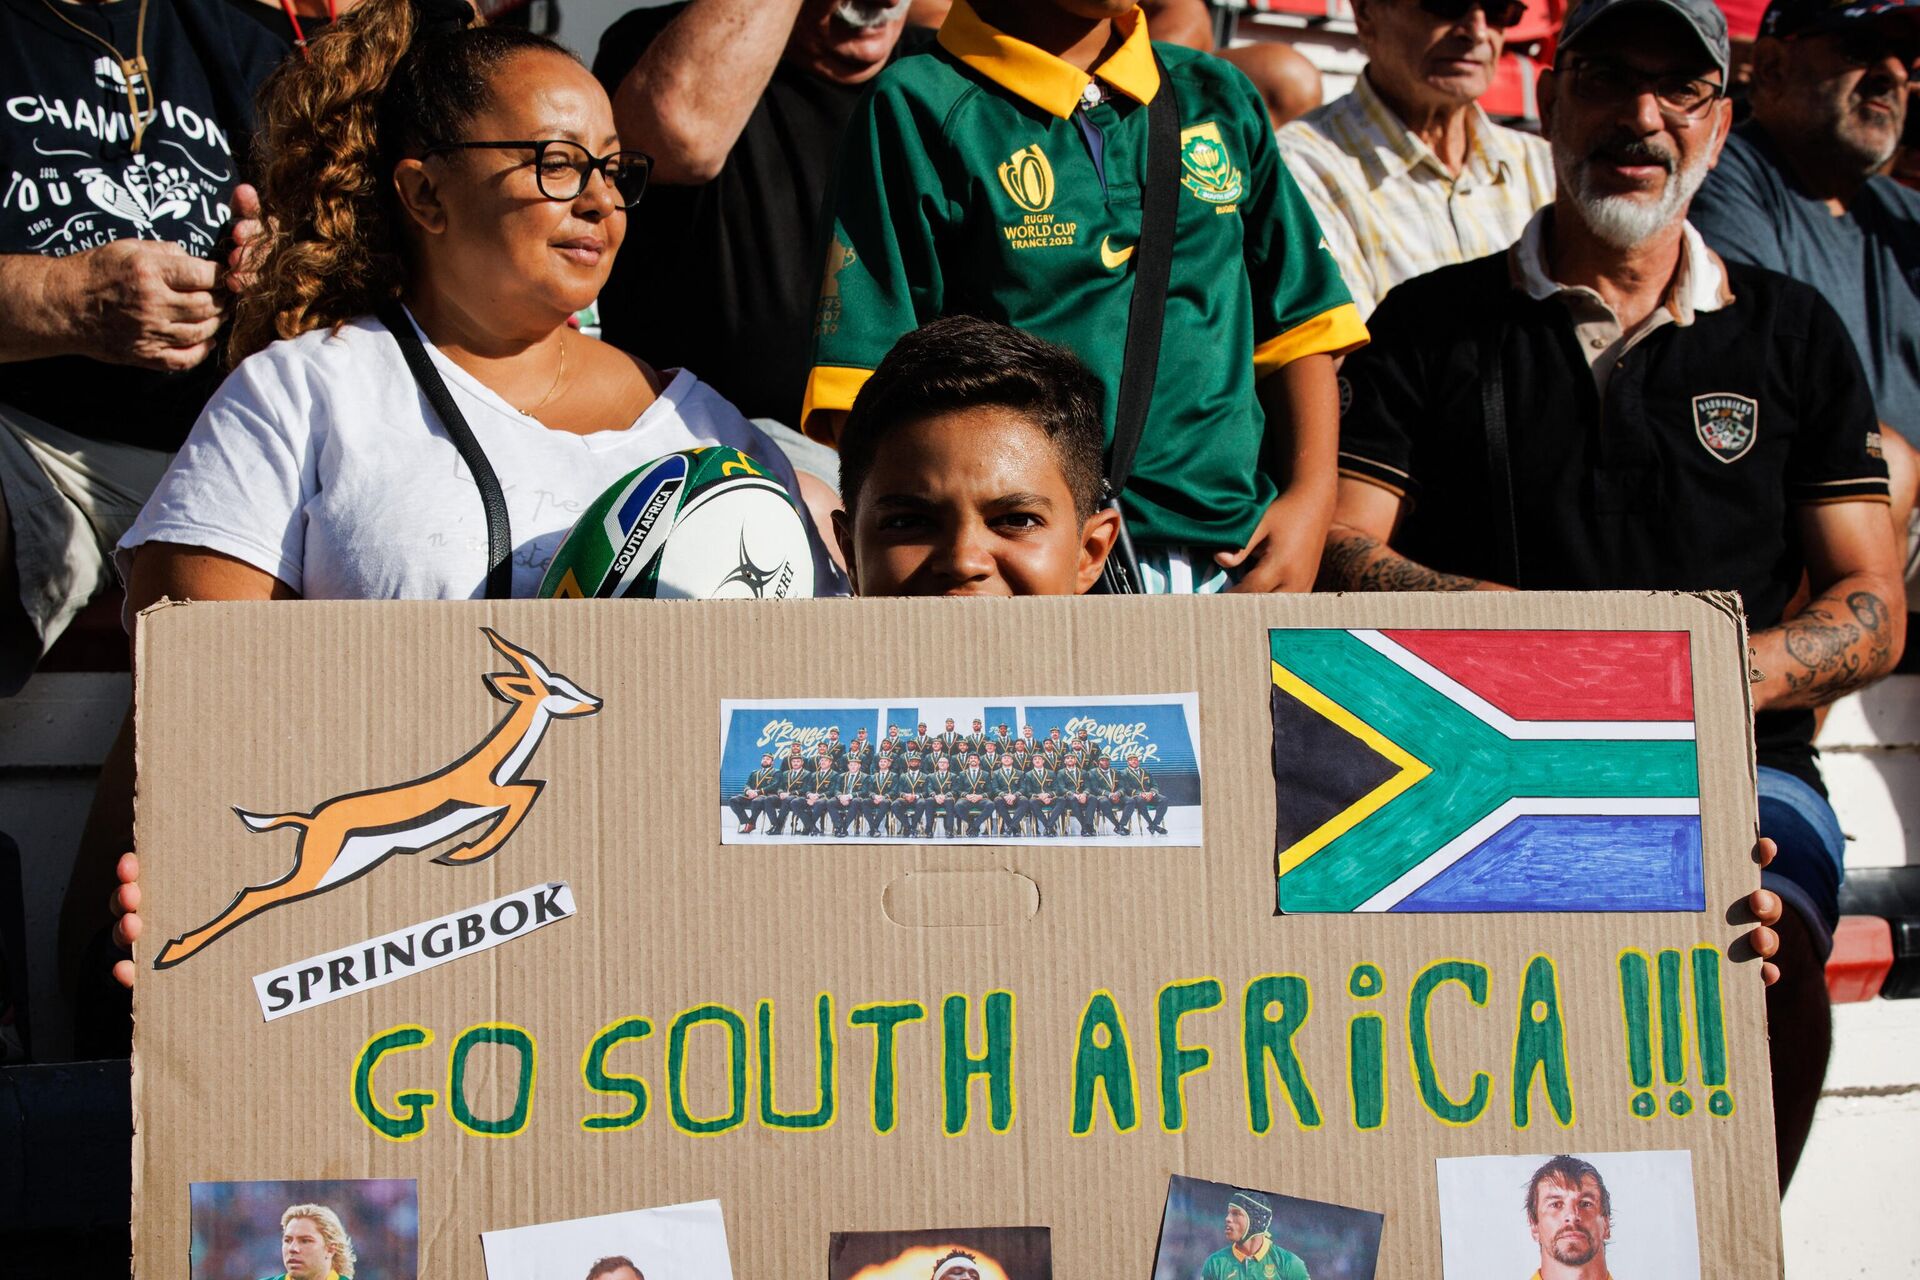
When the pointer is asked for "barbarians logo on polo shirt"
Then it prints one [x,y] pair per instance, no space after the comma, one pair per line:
[1209,171]
[1027,178]
[1726,424]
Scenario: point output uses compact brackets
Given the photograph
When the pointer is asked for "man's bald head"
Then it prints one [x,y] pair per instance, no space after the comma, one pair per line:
[1286,79]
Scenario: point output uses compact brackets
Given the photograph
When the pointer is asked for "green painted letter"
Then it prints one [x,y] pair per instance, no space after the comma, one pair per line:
[1419,1036]
[1275,1007]
[996,1063]
[492,1033]
[736,1028]
[821,1116]
[1177,1062]
[883,1018]
[1540,1045]
[593,1069]
[401,1127]
[1367,1069]
[1107,1067]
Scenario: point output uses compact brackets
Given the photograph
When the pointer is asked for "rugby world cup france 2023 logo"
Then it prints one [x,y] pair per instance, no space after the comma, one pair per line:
[1027,178]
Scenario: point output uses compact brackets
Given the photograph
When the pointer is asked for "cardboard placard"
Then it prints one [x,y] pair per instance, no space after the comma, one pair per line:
[833,1038]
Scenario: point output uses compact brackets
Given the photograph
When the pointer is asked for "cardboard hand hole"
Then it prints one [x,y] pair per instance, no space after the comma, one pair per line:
[951,899]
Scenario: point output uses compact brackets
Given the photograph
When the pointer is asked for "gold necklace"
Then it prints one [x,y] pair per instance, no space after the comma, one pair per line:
[558,374]
[133,72]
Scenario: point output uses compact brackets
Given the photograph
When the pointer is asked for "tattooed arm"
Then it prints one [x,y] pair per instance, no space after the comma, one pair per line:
[1851,632]
[1357,557]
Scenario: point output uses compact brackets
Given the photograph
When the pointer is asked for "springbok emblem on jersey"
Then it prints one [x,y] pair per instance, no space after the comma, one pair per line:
[350,835]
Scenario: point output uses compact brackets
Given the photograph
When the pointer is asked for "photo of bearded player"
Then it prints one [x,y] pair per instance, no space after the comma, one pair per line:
[1570,1216]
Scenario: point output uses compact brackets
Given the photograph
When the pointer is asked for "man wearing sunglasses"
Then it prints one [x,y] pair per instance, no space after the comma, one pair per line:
[1799,191]
[1406,174]
[1609,405]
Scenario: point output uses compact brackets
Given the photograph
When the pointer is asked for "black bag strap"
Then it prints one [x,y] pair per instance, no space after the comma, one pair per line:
[1493,411]
[1152,268]
[434,387]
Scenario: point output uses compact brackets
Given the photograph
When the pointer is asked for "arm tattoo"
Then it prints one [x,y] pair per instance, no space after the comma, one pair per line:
[1837,653]
[1356,561]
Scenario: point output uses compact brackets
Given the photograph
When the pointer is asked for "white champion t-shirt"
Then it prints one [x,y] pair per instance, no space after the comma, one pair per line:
[320,461]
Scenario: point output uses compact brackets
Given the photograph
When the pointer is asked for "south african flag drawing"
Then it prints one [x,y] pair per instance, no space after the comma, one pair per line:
[1485,771]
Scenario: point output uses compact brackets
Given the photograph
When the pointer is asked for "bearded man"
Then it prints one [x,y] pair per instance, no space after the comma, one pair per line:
[1570,1216]
[1798,189]
[1610,406]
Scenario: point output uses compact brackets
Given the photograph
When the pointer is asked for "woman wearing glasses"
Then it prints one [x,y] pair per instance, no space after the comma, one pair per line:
[423,179]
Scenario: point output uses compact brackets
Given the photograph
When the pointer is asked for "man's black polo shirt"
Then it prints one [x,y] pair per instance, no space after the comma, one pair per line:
[1684,477]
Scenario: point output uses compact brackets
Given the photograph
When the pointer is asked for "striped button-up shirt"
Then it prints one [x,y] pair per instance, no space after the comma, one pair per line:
[1387,206]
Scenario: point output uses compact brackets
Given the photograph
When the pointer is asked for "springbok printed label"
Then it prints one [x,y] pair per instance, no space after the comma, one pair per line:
[322,979]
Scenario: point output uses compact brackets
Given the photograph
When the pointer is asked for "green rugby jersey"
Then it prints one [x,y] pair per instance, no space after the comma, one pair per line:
[1269,1262]
[983,177]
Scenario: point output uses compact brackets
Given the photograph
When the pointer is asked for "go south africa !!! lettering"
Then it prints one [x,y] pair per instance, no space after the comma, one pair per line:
[713,1051]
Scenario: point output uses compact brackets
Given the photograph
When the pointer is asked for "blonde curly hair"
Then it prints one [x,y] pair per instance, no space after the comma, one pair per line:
[339,1246]
[374,89]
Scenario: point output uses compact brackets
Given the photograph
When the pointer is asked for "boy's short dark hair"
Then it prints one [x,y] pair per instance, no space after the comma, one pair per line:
[962,362]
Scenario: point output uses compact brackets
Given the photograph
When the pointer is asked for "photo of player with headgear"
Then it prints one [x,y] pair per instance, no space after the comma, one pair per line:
[1093,770]
[969,1253]
[1217,1231]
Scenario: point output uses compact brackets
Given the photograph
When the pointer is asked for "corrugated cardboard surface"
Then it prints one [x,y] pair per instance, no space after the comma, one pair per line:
[276,707]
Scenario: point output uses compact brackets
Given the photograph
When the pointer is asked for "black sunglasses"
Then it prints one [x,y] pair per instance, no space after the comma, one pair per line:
[562,169]
[1501,14]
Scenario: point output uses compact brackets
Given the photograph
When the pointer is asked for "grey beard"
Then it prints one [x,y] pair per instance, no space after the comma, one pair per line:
[1624,221]
[868,14]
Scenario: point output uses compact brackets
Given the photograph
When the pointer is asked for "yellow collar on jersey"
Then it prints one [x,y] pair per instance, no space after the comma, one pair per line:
[1039,77]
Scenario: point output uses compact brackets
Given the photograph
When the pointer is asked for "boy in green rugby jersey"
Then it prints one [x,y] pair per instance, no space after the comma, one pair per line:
[1000,175]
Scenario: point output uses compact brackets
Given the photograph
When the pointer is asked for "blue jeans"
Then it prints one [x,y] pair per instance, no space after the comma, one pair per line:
[1810,865]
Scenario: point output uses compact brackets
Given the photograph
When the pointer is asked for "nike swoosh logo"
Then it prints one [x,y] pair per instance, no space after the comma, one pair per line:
[1112,257]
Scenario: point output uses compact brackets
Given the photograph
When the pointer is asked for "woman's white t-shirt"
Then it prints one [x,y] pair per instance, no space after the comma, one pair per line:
[320,462]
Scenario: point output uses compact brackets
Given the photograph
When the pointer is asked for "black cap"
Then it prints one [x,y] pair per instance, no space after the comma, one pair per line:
[1703,18]
[1792,17]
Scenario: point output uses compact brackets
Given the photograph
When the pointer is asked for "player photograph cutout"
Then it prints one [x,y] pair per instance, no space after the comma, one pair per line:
[333,1229]
[672,1242]
[1572,1216]
[1217,1231]
[968,1253]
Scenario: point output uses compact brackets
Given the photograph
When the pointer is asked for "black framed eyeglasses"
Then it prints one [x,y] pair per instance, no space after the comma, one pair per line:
[1609,82]
[1501,14]
[562,168]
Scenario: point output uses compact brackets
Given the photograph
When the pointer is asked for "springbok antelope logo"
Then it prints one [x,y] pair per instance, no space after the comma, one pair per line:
[348,836]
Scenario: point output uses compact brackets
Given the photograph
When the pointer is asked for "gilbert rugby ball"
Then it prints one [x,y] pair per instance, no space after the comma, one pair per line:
[701,524]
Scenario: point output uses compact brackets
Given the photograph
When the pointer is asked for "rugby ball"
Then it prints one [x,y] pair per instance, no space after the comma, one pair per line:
[701,524]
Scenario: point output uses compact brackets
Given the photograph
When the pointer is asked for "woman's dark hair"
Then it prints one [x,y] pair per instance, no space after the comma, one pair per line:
[384,83]
[962,362]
